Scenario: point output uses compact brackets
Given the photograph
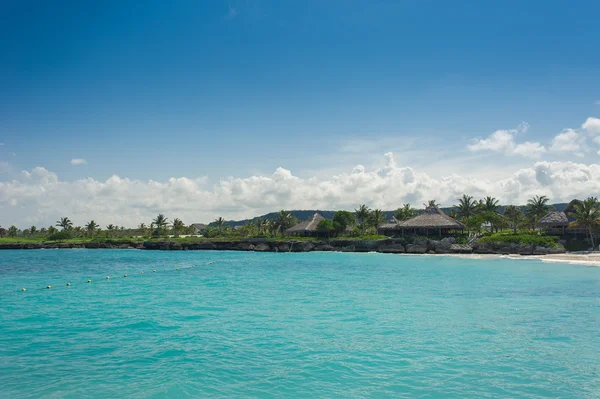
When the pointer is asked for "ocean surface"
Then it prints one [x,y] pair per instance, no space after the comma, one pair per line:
[309,325]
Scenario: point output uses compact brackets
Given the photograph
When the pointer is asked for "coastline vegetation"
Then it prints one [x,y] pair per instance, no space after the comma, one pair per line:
[482,219]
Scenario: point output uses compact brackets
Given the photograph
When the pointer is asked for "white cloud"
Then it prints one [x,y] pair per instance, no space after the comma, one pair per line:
[591,125]
[78,161]
[504,141]
[569,141]
[39,197]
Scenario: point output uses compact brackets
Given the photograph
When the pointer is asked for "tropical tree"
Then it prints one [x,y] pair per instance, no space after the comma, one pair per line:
[33,230]
[342,220]
[91,227]
[51,230]
[431,203]
[362,215]
[3,232]
[514,216]
[110,229]
[13,231]
[467,207]
[376,218]
[77,231]
[537,208]
[64,223]
[284,221]
[220,223]
[326,226]
[489,204]
[142,229]
[262,225]
[586,214]
[404,213]
[178,226]
[160,222]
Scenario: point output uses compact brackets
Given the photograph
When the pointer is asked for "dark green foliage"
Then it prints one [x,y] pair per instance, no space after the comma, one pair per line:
[521,238]
[61,235]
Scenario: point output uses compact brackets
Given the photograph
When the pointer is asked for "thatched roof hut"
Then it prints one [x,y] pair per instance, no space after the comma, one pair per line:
[199,227]
[306,227]
[388,227]
[554,218]
[432,218]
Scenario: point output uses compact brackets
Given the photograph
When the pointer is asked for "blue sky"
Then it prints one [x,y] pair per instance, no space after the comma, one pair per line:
[154,89]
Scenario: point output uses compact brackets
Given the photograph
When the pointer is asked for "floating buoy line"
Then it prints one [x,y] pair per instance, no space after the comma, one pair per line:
[108,278]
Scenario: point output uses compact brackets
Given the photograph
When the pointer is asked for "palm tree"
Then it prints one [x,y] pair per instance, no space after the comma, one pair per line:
[467,207]
[262,225]
[160,222]
[362,214]
[406,212]
[220,222]
[489,204]
[431,203]
[177,226]
[77,231]
[91,227]
[586,214]
[3,232]
[32,230]
[537,208]
[514,215]
[64,223]
[51,230]
[377,218]
[144,230]
[284,221]
[13,231]
[111,228]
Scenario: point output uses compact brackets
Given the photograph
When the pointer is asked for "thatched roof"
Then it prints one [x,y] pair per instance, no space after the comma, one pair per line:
[431,218]
[309,225]
[554,218]
[199,226]
[391,224]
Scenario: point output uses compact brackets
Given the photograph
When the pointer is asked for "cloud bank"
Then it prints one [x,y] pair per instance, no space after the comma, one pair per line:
[39,197]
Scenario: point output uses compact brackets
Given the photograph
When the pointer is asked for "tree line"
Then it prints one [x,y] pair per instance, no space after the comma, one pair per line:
[474,214]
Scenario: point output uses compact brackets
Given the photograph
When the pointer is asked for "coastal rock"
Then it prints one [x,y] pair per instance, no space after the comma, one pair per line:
[262,248]
[417,248]
[392,249]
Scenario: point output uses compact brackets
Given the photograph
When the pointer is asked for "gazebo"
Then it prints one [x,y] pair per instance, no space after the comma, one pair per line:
[388,228]
[554,223]
[306,227]
[430,222]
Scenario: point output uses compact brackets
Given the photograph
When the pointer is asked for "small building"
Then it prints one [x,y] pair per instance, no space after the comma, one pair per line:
[432,221]
[562,223]
[389,228]
[554,223]
[306,228]
[199,227]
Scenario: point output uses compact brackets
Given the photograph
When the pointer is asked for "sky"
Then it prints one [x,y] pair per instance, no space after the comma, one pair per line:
[119,110]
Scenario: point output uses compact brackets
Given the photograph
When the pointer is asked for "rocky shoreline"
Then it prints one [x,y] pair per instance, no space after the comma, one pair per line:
[392,245]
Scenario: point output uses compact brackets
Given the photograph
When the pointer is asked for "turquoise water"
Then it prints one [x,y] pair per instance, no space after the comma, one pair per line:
[295,326]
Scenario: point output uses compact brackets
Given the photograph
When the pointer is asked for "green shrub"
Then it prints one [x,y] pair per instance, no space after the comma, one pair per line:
[521,238]
[61,235]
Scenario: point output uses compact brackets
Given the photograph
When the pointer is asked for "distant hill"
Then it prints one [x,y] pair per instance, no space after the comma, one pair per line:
[305,214]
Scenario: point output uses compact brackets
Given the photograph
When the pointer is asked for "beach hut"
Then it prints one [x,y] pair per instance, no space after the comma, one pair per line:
[389,228]
[554,223]
[562,223]
[198,227]
[432,221]
[306,228]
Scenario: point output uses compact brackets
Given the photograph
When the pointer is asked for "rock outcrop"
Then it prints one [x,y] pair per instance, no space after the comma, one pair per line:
[411,245]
